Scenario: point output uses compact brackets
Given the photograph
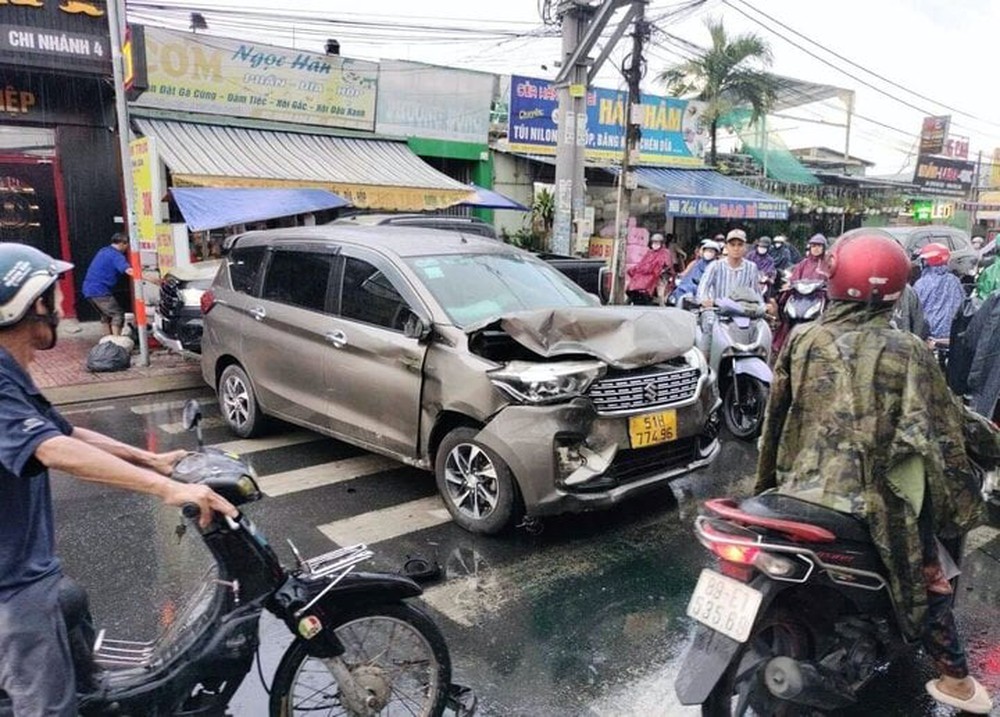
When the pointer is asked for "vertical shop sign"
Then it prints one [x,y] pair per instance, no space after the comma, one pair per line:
[166,256]
[995,170]
[933,134]
[146,199]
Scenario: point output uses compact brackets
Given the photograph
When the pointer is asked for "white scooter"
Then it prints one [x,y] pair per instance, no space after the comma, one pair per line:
[736,338]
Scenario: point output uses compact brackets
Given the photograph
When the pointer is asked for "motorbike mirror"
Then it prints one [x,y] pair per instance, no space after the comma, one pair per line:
[191,419]
[191,416]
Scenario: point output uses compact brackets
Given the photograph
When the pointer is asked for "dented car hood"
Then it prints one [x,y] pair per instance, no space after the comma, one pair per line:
[625,337]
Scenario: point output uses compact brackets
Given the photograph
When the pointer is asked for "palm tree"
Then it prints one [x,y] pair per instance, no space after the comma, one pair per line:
[725,76]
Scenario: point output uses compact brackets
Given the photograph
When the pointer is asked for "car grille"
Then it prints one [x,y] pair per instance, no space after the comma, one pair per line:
[641,390]
[637,463]
[171,304]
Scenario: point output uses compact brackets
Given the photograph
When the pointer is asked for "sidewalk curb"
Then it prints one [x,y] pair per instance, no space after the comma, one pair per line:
[81,393]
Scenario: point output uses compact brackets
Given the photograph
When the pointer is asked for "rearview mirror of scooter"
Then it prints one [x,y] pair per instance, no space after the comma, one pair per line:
[191,418]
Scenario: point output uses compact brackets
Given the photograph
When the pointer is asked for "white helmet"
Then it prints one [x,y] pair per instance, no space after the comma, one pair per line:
[25,274]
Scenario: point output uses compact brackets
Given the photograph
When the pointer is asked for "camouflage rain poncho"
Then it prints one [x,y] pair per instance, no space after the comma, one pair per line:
[853,400]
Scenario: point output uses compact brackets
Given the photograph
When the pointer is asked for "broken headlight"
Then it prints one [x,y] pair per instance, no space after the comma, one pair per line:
[528,382]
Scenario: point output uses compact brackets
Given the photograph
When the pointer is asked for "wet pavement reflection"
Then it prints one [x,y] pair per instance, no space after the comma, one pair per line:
[585,618]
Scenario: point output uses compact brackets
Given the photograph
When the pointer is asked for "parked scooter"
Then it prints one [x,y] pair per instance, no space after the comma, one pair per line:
[360,648]
[737,341]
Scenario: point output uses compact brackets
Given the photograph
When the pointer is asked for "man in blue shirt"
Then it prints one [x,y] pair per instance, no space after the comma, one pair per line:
[44,620]
[99,284]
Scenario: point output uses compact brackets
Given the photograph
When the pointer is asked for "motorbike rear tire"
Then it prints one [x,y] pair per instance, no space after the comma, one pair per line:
[778,633]
[745,420]
[403,616]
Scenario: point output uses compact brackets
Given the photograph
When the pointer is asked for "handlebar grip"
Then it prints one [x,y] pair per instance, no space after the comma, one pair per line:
[191,511]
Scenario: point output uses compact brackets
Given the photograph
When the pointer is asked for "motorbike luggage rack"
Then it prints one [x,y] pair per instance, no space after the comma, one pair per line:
[108,652]
[335,561]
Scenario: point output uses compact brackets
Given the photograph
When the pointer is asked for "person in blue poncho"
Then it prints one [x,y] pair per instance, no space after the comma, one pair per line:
[687,282]
[940,291]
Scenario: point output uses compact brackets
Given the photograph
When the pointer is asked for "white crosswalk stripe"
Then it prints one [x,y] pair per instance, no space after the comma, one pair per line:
[207,422]
[252,445]
[325,474]
[379,525]
[146,408]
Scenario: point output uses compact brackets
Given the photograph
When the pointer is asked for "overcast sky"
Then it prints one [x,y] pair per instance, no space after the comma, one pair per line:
[941,49]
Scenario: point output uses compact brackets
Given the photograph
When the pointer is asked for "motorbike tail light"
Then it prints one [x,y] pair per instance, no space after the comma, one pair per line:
[207,301]
[742,554]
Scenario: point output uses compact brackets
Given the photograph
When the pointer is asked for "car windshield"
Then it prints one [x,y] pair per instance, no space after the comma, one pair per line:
[474,287]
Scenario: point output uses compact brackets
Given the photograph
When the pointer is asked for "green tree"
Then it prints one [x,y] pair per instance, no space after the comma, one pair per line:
[727,75]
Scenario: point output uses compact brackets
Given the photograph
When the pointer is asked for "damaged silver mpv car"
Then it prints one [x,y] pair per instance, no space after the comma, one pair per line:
[461,355]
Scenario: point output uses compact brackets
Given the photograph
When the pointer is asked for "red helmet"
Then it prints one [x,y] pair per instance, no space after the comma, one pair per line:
[935,254]
[866,265]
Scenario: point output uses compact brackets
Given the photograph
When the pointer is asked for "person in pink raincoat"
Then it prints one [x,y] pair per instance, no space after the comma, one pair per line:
[644,278]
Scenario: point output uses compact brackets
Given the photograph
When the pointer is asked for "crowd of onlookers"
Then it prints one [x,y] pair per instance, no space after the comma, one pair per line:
[959,316]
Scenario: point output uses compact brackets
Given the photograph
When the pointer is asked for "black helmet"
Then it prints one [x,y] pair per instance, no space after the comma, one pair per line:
[25,274]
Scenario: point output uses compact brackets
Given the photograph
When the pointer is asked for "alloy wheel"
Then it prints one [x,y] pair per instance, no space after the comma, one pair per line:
[471,481]
[236,401]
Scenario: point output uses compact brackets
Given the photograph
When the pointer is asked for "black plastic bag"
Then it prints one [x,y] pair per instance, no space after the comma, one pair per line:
[108,356]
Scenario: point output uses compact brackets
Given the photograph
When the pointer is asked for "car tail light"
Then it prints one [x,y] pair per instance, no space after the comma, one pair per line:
[207,301]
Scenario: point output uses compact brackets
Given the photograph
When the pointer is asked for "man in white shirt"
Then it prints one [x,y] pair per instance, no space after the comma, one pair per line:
[721,277]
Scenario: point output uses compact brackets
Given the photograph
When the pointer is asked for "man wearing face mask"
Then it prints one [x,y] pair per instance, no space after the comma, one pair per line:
[687,284]
[765,264]
[46,633]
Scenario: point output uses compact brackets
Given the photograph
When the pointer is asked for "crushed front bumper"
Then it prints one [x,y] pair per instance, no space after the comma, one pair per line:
[529,439]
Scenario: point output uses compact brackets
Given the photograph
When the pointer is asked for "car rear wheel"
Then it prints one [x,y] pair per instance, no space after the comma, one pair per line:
[238,403]
[476,485]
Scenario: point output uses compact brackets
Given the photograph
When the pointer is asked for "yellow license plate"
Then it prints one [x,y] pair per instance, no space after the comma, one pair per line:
[652,428]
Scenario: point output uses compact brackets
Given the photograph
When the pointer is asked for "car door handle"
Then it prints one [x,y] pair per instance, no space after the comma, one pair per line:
[258,313]
[337,338]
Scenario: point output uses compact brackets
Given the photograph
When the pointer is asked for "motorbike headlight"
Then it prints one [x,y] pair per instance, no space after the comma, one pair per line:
[538,383]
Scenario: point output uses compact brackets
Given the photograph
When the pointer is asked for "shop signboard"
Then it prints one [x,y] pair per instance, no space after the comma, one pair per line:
[944,176]
[957,147]
[933,134]
[41,98]
[145,202]
[672,131]
[418,100]
[995,170]
[166,254]
[922,210]
[195,73]
[716,208]
[67,35]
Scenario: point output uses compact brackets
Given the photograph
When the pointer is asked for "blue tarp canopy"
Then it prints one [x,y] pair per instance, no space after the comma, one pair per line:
[488,199]
[706,193]
[210,207]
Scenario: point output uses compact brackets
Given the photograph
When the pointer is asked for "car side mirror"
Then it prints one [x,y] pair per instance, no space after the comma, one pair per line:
[416,327]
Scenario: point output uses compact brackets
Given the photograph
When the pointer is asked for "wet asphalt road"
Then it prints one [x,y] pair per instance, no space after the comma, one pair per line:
[585,618]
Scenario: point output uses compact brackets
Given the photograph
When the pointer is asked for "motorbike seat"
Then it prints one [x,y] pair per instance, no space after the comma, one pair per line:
[773,505]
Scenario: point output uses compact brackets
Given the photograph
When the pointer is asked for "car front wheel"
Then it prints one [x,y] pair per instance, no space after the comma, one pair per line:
[238,403]
[476,485]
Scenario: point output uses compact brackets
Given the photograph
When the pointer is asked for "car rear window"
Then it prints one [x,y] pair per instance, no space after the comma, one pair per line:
[244,268]
[474,287]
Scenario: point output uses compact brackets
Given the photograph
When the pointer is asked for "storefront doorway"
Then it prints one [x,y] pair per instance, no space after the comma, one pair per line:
[32,209]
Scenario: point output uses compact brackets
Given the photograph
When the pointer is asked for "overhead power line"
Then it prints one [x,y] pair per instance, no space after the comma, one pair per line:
[862,67]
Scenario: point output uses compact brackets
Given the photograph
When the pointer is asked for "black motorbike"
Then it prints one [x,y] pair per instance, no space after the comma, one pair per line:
[360,648]
[797,617]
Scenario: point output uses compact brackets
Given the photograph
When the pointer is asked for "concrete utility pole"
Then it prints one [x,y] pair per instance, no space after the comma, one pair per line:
[630,155]
[582,25]
[116,15]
